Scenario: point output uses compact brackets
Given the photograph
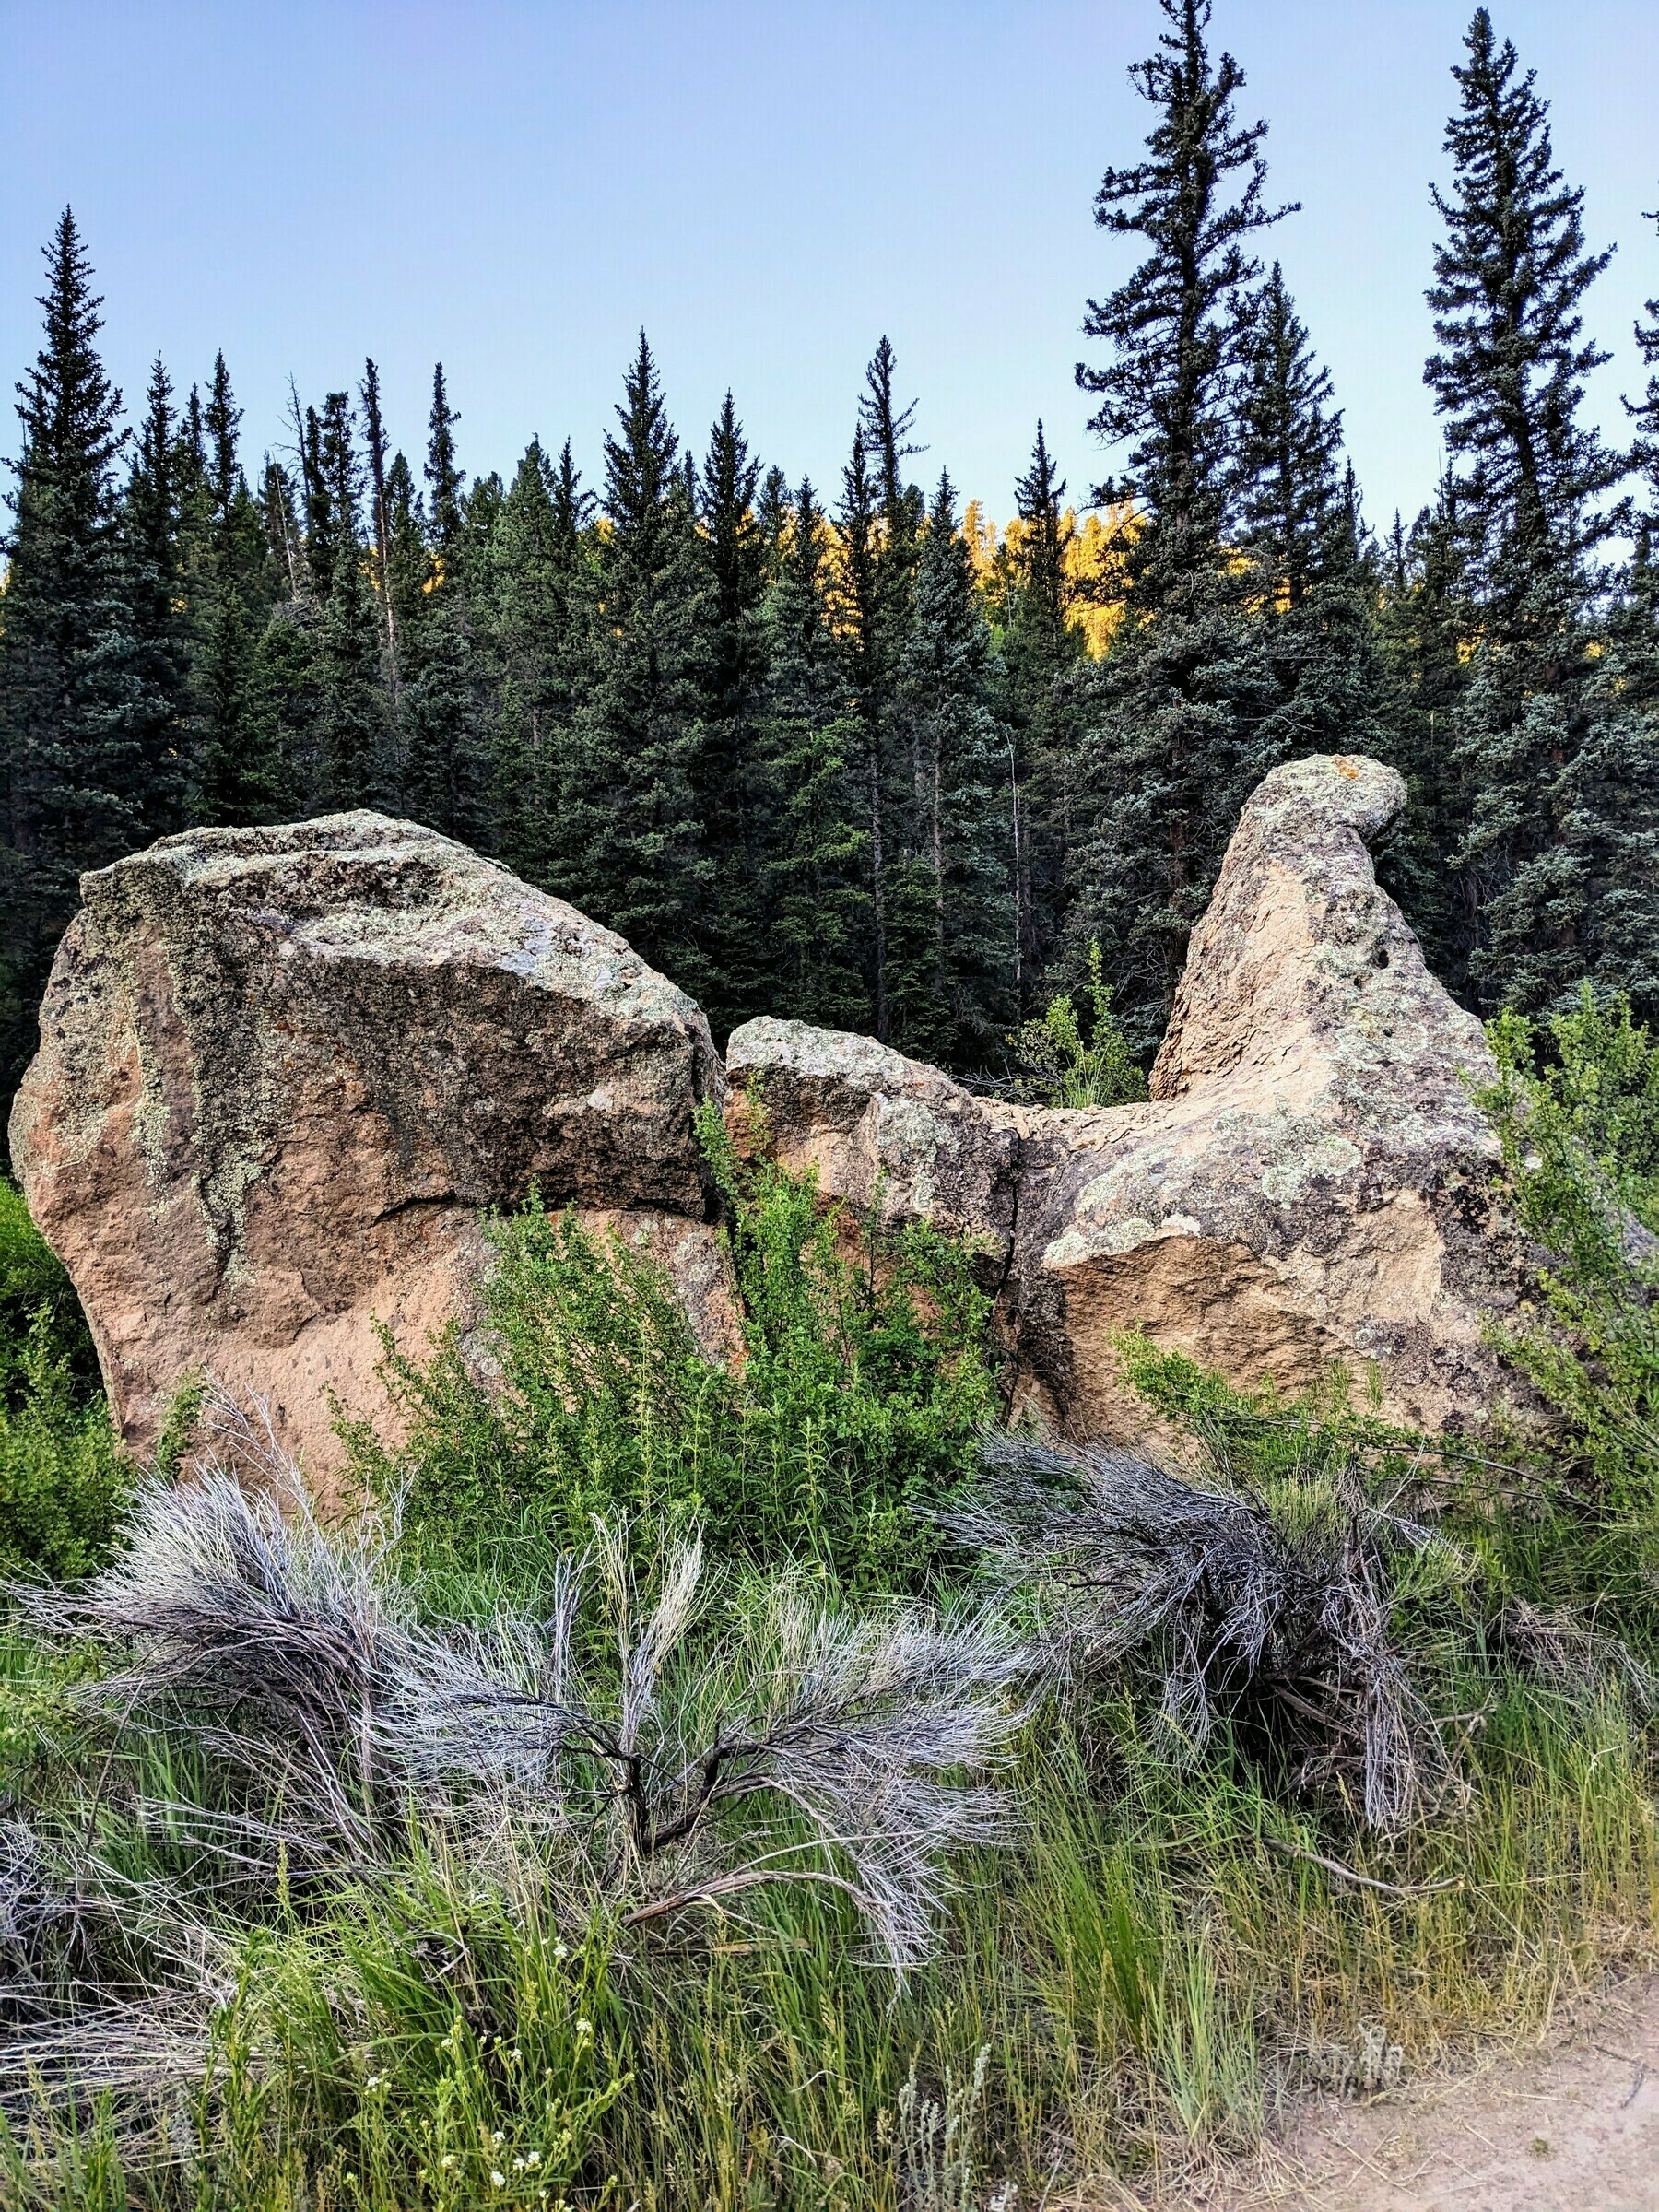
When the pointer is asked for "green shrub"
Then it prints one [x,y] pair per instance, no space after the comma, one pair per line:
[864,1387]
[1057,1066]
[1576,1111]
[62,1476]
[34,1282]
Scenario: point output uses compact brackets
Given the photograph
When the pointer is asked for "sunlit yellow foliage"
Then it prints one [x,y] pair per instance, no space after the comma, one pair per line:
[1091,559]
[979,535]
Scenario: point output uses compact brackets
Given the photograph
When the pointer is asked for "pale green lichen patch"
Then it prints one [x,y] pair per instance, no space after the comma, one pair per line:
[1322,1159]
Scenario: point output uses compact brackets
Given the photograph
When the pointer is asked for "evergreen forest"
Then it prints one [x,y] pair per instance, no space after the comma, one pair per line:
[785,1777]
[848,752]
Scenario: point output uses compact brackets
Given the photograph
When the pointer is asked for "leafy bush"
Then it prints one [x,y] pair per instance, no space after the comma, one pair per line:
[1576,1111]
[62,1476]
[860,1394]
[1055,1066]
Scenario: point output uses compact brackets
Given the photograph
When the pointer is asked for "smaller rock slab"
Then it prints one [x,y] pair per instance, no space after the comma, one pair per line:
[1309,1185]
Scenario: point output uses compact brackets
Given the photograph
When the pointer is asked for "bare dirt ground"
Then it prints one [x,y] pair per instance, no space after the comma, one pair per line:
[1573,2127]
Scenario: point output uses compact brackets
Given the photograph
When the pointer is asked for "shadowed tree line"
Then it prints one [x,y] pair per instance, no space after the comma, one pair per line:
[839,752]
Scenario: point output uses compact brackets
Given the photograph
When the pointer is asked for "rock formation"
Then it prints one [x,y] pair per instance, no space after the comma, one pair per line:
[1308,1184]
[283,1073]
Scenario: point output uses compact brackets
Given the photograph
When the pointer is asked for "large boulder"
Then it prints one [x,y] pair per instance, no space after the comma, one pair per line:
[283,1075]
[1308,1186]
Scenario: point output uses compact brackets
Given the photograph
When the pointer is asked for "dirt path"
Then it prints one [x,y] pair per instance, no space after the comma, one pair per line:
[1573,2128]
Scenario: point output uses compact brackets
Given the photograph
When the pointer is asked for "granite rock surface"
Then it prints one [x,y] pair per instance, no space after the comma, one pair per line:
[284,1074]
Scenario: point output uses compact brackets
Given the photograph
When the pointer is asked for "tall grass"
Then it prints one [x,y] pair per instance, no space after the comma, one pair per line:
[1166,1945]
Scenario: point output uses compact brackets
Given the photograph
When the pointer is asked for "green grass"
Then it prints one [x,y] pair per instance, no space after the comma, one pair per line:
[1133,1984]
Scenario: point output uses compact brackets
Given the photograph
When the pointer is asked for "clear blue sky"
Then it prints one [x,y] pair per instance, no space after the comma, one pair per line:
[515,187]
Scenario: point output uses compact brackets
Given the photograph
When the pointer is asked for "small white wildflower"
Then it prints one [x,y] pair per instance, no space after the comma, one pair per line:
[516,2054]
[498,2177]
[447,2160]
[497,2136]
[518,2165]
[584,2027]
[534,2158]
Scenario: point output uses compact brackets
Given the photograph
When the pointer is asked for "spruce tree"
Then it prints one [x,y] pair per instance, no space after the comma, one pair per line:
[855,602]
[1297,517]
[351,737]
[1287,456]
[1611,784]
[1512,272]
[1174,325]
[157,673]
[1042,652]
[381,528]
[889,441]
[954,950]
[630,829]
[445,478]
[536,613]
[238,777]
[728,792]
[74,790]
[446,775]
[812,894]
[1426,617]
[1175,711]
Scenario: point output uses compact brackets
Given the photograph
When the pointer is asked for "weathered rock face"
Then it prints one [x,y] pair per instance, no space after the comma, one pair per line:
[1308,1184]
[890,1134]
[283,1072]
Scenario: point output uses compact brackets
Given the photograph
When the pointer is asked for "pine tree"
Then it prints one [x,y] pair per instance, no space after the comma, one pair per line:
[812,894]
[1512,272]
[1042,652]
[351,730]
[856,609]
[158,672]
[728,795]
[238,777]
[446,775]
[538,609]
[1176,711]
[73,791]
[1174,323]
[954,952]
[630,823]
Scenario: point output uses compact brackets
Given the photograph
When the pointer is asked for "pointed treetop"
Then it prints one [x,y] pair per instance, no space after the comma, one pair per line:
[69,407]
[1510,275]
[220,421]
[888,428]
[442,472]
[1197,199]
[642,463]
